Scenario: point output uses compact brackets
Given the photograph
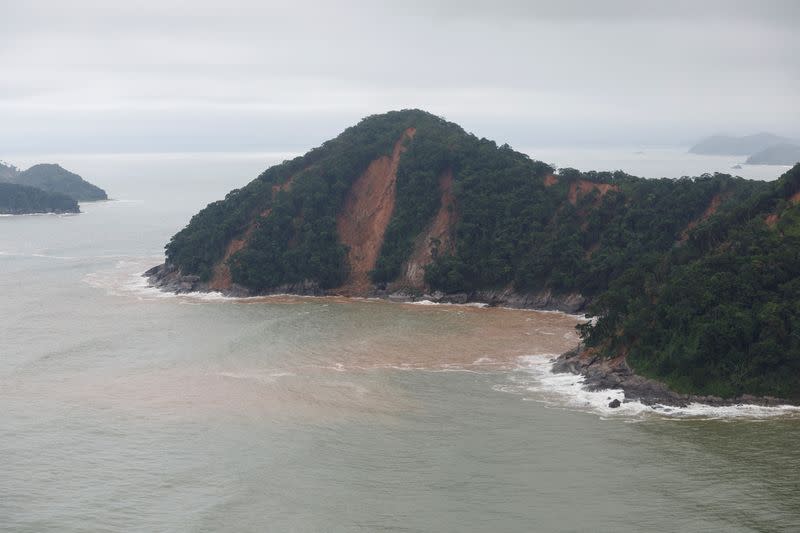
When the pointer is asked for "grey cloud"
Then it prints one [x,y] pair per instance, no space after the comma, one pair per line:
[619,71]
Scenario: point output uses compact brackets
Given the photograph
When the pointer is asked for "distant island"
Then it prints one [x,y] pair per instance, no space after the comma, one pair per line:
[780,154]
[44,188]
[21,200]
[730,145]
[692,282]
[761,148]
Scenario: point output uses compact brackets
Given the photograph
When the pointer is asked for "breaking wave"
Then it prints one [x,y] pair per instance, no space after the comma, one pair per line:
[535,381]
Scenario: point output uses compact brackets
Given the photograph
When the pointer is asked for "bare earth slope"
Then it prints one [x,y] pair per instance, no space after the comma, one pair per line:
[438,238]
[362,221]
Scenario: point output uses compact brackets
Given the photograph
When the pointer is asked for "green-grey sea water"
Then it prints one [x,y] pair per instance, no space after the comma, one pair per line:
[123,409]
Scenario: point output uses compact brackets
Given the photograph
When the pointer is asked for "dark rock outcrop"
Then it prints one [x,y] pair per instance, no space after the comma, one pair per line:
[602,374]
[168,278]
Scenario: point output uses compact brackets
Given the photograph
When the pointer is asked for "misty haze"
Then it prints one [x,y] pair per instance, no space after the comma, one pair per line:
[426,266]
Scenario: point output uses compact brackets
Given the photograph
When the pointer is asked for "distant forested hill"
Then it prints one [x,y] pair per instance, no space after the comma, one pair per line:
[20,199]
[7,172]
[729,145]
[694,280]
[53,178]
[780,154]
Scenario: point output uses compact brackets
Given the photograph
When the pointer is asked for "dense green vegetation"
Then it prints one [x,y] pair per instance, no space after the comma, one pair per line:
[431,153]
[53,178]
[298,240]
[514,230]
[720,315]
[7,172]
[19,199]
[684,275]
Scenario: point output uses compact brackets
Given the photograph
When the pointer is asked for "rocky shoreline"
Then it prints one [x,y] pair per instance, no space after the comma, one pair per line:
[600,374]
[168,278]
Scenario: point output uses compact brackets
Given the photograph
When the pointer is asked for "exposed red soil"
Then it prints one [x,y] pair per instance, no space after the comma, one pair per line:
[581,188]
[771,220]
[222,273]
[439,237]
[712,208]
[362,222]
[550,180]
[286,186]
[221,279]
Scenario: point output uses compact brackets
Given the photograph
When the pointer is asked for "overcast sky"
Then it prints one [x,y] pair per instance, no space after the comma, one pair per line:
[173,75]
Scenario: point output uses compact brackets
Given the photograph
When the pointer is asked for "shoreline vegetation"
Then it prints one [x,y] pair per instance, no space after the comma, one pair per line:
[44,188]
[23,200]
[604,374]
[691,281]
[598,373]
[169,279]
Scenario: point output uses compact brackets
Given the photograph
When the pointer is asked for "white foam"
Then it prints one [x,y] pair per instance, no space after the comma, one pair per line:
[269,377]
[580,317]
[126,279]
[37,255]
[536,382]
[480,305]
[423,302]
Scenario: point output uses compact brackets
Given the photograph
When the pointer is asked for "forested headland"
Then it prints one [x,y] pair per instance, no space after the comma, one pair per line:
[694,280]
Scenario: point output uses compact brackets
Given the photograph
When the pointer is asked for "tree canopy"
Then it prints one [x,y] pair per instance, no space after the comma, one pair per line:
[695,279]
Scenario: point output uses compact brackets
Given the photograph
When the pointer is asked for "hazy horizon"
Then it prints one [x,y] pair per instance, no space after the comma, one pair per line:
[180,76]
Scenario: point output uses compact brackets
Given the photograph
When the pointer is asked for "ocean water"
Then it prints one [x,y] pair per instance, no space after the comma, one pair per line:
[126,409]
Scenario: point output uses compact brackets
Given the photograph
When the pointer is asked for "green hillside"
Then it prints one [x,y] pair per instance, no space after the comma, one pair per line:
[20,199]
[55,179]
[693,278]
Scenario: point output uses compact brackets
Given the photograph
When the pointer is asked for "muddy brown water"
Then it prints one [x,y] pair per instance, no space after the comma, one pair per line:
[127,410]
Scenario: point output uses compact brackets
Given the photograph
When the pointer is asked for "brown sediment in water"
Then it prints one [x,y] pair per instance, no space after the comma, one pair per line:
[456,336]
[333,374]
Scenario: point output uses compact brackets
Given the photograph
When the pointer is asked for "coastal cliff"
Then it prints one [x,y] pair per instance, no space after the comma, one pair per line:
[408,206]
